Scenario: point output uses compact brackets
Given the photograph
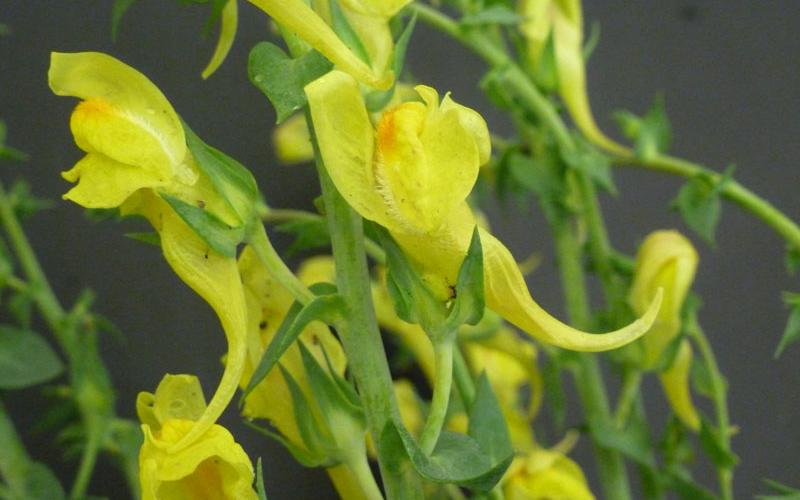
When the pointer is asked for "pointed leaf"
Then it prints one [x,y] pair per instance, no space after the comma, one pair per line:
[633,441]
[221,237]
[26,359]
[310,430]
[326,391]
[118,10]
[262,493]
[231,180]
[377,100]
[469,305]
[487,425]
[712,443]
[281,78]
[323,308]
[496,14]
[791,333]
[597,166]
[309,234]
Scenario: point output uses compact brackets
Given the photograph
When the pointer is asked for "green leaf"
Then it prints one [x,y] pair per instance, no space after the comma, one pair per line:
[376,100]
[24,202]
[41,484]
[26,359]
[262,493]
[543,178]
[494,86]
[281,78]
[231,180]
[633,441]
[328,393]
[495,14]
[469,305]
[308,234]
[702,381]
[323,307]
[487,425]
[313,436]
[686,487]
[791,333]
[675,444]
[7,152]
[588,160]
[699,204]
[147,237]
[457,458]
[651,134]
[413,301]
[118,10]
[711,441]
[346,32]
[303,456]
[221,237]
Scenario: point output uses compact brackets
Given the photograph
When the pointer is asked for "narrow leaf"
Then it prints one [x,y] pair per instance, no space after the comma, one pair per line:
[262,493]
[118,10]
[377,100]
[469,305]
[711,441]
[487,425]
[495,14]
[791,333]
[221,237]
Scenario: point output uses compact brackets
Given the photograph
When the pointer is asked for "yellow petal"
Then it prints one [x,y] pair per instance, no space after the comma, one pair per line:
[383,8]
[376,37]
[544,475]
[106,183]
[568,34]
[508,295]
[345,482]
[292,141]
[666,260]
[212,466]
[345,137]
[536,27]
[216,279]
[227,33]
[675,381]
[124,116]
[299,18]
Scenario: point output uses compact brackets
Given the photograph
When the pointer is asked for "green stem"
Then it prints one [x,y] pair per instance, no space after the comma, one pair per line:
[359,466]
[730,190]
[464,382]
[720,399]
[631,382]
[589,378]
[277,267]
[86,467]
[361,337]
[443,381]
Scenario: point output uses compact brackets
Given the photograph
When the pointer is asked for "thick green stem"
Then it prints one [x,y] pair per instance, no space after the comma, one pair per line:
[86,467]
[720,398]
[359,466]
[631,382]
[464,383]
[443,381]
[361,337]
[588,377]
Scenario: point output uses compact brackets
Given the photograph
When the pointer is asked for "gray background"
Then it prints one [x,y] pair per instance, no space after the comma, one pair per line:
[729,73]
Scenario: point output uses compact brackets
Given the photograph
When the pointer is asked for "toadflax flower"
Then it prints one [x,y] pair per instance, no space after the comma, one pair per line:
[412,174]
[667,260]
[212,466]
[136,153]
[561,21]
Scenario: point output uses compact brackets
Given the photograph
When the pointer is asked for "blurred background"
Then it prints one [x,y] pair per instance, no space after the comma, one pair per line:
[727,69]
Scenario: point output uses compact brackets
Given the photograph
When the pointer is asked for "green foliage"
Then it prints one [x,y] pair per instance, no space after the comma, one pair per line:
[25,203]
[262,493]
[496,14]
[231,180]
[477,460]
[26,359]
[377,100]
[325,307]
[346,32]
[38,482]
[219,236]
[778,491]
[792,259]
[712,443]
[118,10]
[586,159]
[633,441]
[308,234]
[791,333]
[698,202]
[651,134]
[282,78]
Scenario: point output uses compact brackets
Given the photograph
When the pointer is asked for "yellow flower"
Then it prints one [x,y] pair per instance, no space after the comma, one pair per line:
[136,149]
[412,175]
[667,260]
[302,20]
[292,142]
[212,466]
[545,475]
[562,21]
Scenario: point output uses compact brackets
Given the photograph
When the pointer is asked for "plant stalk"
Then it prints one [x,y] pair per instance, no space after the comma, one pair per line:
[443,381]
